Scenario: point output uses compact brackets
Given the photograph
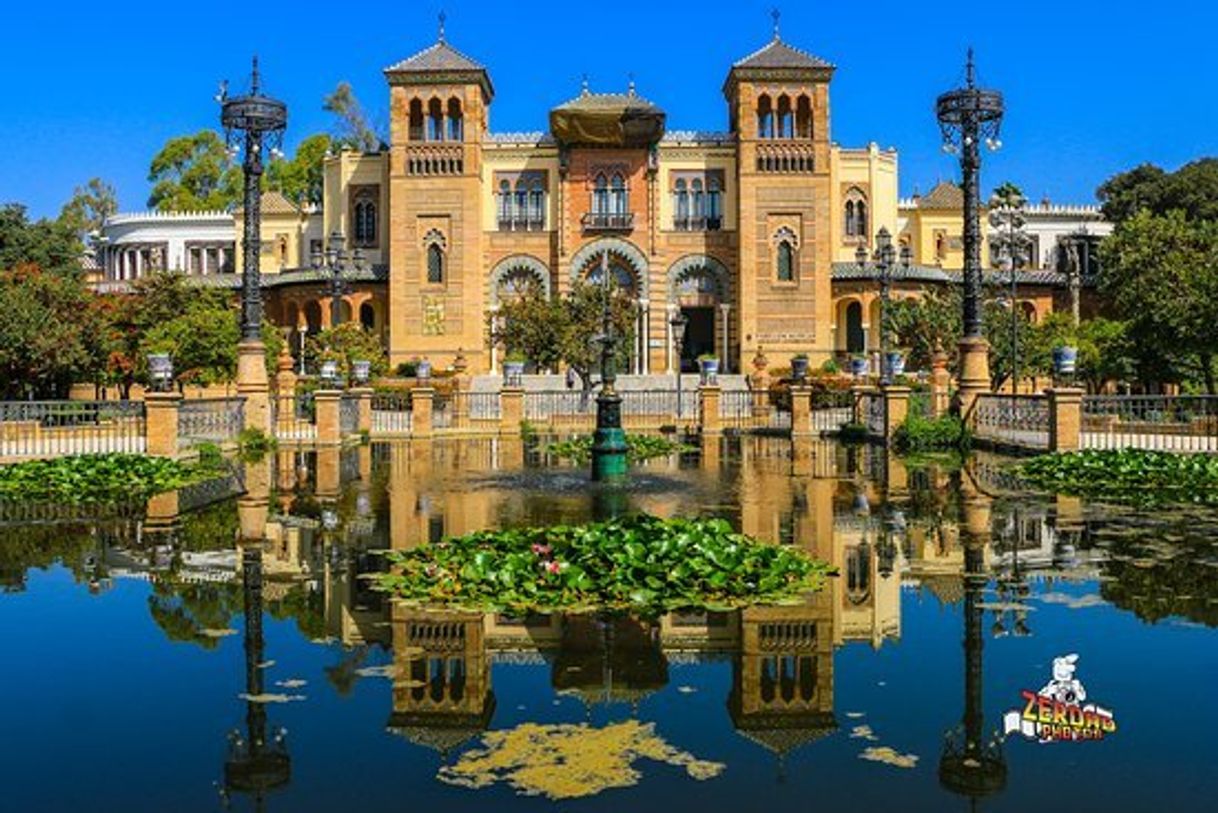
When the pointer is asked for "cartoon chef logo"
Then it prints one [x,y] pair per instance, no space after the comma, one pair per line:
[1058,712]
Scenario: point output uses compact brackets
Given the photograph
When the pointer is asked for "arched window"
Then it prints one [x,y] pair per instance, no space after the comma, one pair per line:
[435,264]
[454,119]
[617,195]
[520,213]
[364,220]
[856,213]
[505,204]
[600,196]
[803,117]
[537,204]
[682,204]
[860,218]
[699,200]
[786,120]
[714,205]
[416,120]
[786,262]
[851,226]
[765,117]
[435,120]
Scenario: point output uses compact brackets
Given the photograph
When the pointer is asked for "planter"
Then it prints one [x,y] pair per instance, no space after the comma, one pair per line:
[799,368]
[709,368]
[1065,360]
[858,367]
[422,370]
[360,370]
[513,373]
[329,373]
[896,364]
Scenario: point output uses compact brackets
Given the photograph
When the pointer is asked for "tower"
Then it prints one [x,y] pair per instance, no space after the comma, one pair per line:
[439,102]
[778,109]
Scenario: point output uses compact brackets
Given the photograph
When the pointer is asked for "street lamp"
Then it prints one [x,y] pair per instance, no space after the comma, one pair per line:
[334,261]
[967,117]
[1012,245]
[261,119]
[883,260]
[609,441]
[678,323]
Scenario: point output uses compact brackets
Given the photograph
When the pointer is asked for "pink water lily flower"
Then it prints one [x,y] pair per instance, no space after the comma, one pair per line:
[552,567]
[541,550]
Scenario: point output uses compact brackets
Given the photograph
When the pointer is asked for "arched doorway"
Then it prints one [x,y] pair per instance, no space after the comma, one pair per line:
[629,273]
[367,316]
[511,278]
[855,337]
[698,289]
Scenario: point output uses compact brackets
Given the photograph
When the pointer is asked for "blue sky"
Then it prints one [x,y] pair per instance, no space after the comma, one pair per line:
[1092,87]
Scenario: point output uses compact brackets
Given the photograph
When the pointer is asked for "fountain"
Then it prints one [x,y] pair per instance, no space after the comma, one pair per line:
[609,442]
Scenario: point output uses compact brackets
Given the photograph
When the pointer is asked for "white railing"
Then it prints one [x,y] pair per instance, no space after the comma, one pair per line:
[1170,423]
[31,429]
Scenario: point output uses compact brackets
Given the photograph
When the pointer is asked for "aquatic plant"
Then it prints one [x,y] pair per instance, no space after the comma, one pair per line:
[1132,476]
[638,448]
[642,563]
[97,478]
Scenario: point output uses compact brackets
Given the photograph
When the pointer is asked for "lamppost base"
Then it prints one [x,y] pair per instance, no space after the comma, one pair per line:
[609,441]
[252,384]
[974,372]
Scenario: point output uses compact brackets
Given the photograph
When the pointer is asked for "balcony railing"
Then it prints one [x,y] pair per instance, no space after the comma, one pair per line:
[697,223]
[605,221]
[521,224]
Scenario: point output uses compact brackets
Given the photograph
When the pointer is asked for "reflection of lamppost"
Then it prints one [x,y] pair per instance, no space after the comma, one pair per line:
[678,323]
[884,259]
[1012,245]
[335,262]
[967,116]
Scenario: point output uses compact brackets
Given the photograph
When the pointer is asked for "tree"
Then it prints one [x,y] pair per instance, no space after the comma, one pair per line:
[1192,189]
[89,206]
[1105,355]
[1008,194]
[563,329]
[47,336]
[1161,275]
[353,128]
[346,343]
[194,173]
[51,245]
[202,341]
[301,178]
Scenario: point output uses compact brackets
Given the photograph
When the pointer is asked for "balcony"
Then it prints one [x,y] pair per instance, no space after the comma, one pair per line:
[607,222]
[697,223]
[521,224]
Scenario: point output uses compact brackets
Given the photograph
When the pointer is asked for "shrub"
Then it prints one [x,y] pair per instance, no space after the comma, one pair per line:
[921,434]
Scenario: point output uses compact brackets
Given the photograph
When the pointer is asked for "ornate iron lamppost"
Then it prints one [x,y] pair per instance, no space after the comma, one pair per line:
[334,261]
[678,323]
[884,259]
[258,121]
[969,116]
[609,442]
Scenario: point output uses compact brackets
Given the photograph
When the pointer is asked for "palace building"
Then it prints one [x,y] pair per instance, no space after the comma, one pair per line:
[751,233]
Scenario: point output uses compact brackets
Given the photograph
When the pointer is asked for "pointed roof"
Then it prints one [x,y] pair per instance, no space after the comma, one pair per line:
[778,61]
[439,64]
[273,203]
[945,195]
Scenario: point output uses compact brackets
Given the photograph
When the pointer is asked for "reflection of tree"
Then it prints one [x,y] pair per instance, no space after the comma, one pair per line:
[212,528]
[1156,588]
[31,547]
[193,612]
[306,607]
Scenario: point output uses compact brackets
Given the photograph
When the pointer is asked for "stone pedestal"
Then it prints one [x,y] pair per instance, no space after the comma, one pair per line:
[253,505]
[1065,419]
[329,426]
[421,400]
[708,409]
[363,396]
[974,373]
[511,410]
[161,423]
[940,385]
[801,410]
[896,408]
[252,384]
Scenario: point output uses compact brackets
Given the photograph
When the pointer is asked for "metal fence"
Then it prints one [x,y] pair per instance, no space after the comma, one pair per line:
[1015,421]
[560,409]
[391,413]
[831,410]
[295,416]
[51,428]
[472,410]
[1170,423]
[209,420]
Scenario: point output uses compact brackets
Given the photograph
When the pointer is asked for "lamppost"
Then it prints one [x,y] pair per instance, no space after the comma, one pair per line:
[968,116]
[257,121]
[334,261]
[678,323]
[609,442]
[884,259]
[1012,244]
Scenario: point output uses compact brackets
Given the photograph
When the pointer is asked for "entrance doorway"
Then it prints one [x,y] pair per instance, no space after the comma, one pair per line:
[699,336]
[854,328]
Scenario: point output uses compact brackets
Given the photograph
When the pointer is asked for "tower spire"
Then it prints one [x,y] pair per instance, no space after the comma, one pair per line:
[776,14]
[440,33]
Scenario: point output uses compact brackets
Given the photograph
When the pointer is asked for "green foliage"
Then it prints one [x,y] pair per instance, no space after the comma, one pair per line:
[194,173]
[346,343]
[919,434]
[1161,275]
[209,455]
[96,478]
[353,128]
[1105,354]
[52,245]
[202,340]
[254,444]
[926,326]
[638,448]
[642,564]
[300,178]
[852,433]
[554,331]
[1192,190]
[1132,476]
[89,206]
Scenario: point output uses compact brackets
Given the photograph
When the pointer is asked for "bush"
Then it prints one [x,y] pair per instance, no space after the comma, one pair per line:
[921,434]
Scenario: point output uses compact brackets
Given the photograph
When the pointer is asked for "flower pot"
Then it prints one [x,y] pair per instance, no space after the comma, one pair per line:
[1065,360]
[329,373]
[799,368]
[858,367]
[360,370]
[513,373]
[709,369]
[422,370]
[896,364]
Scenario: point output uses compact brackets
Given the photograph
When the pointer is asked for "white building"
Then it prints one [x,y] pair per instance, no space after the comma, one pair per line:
[1064,235]
[196,243]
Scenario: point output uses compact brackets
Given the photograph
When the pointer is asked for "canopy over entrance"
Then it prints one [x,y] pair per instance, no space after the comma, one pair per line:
[607,120]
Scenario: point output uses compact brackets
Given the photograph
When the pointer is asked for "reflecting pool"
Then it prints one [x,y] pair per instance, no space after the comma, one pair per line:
[154,662]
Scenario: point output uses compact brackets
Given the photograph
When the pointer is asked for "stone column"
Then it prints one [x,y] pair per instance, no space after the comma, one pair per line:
[1065,419]
[725,340]
[421,399]
[364,396]
[253,505]
[328,404]
[759,385]
[801,410]
[974,373]
[511,410]
[940,385]
[896,407]
[708,409]
[161,423]
[252,384]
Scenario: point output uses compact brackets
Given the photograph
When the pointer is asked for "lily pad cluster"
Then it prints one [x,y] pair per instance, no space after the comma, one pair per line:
[1131,476]
[638,448]
[97,478]
[642,564]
